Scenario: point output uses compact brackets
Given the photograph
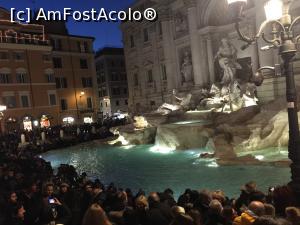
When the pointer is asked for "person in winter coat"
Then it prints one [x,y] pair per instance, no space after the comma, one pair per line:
[255,210]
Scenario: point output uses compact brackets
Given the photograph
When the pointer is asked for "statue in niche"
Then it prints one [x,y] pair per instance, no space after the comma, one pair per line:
[227,57]
[187,68]
[235,90]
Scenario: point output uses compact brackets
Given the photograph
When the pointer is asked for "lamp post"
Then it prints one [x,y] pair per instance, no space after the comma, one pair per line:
[82,93]
[283,38]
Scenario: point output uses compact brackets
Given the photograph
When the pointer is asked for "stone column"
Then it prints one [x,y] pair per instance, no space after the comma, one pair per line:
[169,48]
[210,58]
[204,60]
[195,42]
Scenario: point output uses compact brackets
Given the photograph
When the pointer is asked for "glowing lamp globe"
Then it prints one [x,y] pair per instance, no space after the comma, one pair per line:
[236,1]
[2,107]
[273,9]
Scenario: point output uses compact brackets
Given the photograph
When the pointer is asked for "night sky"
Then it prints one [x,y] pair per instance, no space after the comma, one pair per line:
[106,33]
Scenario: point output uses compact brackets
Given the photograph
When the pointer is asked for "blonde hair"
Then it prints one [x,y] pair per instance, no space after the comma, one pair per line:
[142,200]
[95,215]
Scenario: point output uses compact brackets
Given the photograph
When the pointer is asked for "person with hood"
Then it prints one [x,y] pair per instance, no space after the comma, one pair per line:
[255,210]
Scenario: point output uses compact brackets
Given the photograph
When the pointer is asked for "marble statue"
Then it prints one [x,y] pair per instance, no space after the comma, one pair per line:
[140,122]
[187,68]
[227,57]
[182,104]
[230,98]
[249,95]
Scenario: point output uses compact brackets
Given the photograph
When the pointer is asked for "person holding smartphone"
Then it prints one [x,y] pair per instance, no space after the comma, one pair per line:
[53,211]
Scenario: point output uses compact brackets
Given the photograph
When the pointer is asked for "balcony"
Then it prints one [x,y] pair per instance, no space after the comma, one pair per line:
[26,41]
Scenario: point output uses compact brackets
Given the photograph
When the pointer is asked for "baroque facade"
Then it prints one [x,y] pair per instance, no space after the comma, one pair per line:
[177,52]
[44,72]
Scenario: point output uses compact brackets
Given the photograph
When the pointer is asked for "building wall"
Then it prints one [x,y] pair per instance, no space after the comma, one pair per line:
[26,60]
[187,27]
[27,50]
[71,70]
[112,81]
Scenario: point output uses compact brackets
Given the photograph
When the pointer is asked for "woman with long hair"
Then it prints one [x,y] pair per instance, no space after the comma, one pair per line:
[95,215]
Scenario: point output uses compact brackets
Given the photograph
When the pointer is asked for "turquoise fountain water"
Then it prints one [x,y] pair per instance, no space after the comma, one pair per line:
[139,167]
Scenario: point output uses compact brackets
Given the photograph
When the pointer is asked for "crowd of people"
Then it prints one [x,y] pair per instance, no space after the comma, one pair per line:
[31,193]
[56,136]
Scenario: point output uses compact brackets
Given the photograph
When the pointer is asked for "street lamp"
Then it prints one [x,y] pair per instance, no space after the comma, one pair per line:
[82,93]
[283,38]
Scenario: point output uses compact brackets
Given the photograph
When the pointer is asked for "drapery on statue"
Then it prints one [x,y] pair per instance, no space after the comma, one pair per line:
[227,56]
[187,68]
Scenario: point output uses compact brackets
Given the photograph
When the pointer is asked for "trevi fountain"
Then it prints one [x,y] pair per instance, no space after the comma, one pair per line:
[204,139]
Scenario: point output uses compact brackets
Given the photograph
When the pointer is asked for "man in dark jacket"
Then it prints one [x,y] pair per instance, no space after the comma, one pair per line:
[214,214]
[249,193]
[99,196]
[16,215]
[32,203]
[54,212]
[159,213]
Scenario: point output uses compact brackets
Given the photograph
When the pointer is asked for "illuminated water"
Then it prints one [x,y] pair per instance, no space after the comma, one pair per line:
[137,167]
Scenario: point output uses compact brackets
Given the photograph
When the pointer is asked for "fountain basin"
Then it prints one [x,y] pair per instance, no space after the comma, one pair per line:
[138,167]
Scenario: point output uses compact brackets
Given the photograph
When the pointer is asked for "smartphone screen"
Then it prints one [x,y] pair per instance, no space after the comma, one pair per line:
[51,201]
